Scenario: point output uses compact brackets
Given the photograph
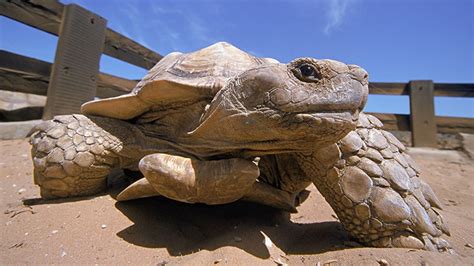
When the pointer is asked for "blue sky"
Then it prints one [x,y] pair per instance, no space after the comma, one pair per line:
[395,41]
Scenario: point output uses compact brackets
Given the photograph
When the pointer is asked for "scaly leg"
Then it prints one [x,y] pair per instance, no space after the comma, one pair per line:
[375,190]
[72,154]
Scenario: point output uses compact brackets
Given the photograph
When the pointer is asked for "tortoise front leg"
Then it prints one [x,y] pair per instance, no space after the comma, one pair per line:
[375,190]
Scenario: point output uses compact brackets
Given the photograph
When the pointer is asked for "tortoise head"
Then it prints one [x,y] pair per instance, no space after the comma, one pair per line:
[274,108]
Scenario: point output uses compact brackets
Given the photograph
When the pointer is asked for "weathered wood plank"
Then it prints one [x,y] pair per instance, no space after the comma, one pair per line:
[25,74]
[75,70]
[447,124]
[386,88]
[444,124]
[21,114]
[118,46]
[111,86]
[422,114]
[46,15]
[440,89]
[454,89]
[18,81]
[25,64]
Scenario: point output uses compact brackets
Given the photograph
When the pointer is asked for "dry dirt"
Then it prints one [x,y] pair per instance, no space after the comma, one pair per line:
[160,231]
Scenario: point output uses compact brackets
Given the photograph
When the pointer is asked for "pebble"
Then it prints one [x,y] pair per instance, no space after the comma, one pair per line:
[103,226]
[383,262]
[21,190]
[469,246]
[54,232]
[237,239]
[63,254]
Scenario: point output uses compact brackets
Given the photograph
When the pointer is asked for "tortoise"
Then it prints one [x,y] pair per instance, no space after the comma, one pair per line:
[219,125]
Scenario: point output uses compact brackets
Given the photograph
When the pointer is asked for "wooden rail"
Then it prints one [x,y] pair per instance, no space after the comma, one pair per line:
[28,75]
[46,15]
[444,124]
[440,89]
[422,121]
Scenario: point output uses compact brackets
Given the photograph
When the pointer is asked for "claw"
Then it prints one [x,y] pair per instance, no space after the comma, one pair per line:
[139,189]
[428,244]
[407,241]
[430,195]
[439,222]
[439,244]
[420,218]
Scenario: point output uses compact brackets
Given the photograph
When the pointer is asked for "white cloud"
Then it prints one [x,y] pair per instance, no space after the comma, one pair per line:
[182,27]
[336,13]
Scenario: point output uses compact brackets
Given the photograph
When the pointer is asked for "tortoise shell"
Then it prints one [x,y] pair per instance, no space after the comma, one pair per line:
[178,79]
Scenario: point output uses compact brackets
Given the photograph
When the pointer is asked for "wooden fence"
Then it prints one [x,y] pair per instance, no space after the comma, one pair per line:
[71,23]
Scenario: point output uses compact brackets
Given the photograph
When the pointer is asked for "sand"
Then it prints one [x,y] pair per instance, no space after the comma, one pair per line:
[163,232]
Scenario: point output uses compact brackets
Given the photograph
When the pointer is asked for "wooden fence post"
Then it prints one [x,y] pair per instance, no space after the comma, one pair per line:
[74,75]
[422,113]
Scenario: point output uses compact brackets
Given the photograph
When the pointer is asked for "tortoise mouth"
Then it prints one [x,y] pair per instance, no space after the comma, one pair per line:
[318,116]
[312,118]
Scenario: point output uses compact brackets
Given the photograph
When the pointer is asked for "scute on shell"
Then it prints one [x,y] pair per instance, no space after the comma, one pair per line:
[178,79]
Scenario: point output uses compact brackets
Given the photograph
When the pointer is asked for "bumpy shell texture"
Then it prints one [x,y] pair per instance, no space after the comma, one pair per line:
[178,79]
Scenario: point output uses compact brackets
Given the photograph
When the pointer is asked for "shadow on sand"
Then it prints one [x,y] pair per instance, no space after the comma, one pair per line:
[187,228]
[184,228]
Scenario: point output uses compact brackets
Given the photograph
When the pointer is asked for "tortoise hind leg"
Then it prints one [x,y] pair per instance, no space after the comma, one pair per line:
[375,190]
[72,156]
[260,192]
[192,181]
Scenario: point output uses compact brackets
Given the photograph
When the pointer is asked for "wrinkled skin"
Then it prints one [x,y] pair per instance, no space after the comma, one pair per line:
[295,117]
[269,110]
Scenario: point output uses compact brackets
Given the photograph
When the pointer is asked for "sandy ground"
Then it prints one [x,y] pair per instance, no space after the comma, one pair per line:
[160,231]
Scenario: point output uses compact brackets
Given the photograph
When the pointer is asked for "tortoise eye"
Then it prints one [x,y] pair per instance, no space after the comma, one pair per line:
[309,72]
